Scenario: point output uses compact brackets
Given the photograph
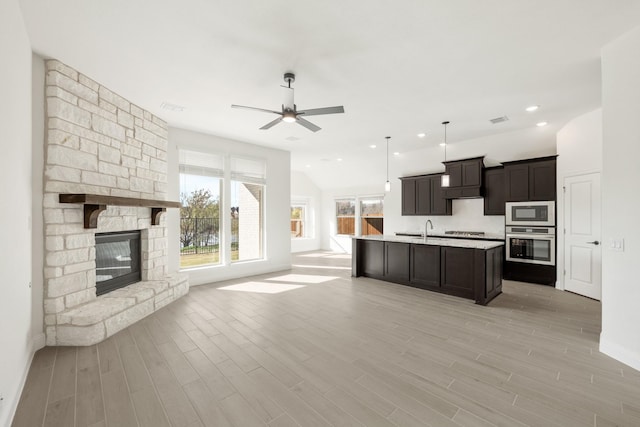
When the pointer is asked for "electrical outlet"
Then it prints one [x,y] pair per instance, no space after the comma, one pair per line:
[617,244]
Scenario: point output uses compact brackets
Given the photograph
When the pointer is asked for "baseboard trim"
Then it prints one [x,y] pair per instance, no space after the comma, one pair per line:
[619,352]
[37,342]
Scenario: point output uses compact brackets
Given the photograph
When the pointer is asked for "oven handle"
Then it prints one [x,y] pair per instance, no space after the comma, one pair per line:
[532,236]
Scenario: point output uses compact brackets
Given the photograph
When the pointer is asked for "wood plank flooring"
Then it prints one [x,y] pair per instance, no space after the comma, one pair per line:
[314,347]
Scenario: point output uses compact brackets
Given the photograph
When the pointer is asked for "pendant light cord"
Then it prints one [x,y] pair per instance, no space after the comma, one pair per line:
[445,140]
[388,137]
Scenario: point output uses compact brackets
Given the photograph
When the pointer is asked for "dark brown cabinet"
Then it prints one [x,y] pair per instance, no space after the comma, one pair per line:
[425,267]
[423,195]
[457,271]
[408,196]
[465,178]
[527,180]
[396,262]
[494,191]
[464,272]
[542,180]
[373,259]
[439,204]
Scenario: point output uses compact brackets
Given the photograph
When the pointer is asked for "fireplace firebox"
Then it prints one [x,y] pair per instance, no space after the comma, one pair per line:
[118,260]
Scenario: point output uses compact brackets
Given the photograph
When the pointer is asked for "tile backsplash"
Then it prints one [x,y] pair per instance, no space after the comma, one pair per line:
[467,215]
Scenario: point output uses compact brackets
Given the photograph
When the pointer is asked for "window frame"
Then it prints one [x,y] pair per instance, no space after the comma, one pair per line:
[355,213]
[362,218]
[307,232]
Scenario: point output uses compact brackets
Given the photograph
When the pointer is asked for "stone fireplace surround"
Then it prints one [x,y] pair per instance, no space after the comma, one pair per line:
[97,142]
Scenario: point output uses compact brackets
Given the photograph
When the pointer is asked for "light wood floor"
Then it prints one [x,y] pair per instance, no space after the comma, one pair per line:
[325,349]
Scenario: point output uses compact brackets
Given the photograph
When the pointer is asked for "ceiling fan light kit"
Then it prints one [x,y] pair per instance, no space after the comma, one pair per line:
[290,113]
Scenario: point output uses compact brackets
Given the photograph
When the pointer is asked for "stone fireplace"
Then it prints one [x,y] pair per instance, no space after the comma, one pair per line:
[99,143]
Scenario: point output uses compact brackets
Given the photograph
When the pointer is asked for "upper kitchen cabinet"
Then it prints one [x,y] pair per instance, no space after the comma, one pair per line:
[529,180]
[465,178]
[423,195]
[494,185]
[408,196]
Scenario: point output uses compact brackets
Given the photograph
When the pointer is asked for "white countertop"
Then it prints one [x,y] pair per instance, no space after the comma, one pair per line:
[495,236]
[437,241]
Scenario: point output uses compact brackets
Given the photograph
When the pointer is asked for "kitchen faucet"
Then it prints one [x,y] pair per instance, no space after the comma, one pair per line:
[428,223]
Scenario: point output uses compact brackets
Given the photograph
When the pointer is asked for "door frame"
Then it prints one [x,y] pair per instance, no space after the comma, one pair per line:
[560,226]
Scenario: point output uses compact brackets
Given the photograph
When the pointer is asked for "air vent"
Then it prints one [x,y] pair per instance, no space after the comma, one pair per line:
[172,107]
[292,139]
[499,120]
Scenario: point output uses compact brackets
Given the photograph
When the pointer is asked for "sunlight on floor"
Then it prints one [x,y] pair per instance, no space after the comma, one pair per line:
[323,255]
[339,256]
[302,278]
[327,267]
[261,287]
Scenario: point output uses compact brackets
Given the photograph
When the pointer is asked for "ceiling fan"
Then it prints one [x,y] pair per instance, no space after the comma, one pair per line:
[290,113]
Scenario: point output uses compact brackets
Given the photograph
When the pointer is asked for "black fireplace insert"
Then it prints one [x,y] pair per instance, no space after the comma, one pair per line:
[117,260]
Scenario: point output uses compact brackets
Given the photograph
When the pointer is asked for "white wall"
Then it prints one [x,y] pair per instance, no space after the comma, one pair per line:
[16,332]
[37,222]
[620,337]
[579,146]
[277,255]
[303,189]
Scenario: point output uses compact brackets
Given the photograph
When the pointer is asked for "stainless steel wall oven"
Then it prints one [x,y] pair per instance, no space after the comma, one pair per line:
[533,245]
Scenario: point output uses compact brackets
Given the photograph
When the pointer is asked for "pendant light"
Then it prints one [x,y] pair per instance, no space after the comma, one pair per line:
[387,185]
[444,181]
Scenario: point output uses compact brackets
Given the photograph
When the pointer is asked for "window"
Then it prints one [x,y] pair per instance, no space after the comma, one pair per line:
[371,216]
[200,197]
[247,208]
[299,221]
[346,216]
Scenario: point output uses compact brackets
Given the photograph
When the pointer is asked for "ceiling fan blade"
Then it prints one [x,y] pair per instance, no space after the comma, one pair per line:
[255,109]
[271,124]
[319,111]
[307,124]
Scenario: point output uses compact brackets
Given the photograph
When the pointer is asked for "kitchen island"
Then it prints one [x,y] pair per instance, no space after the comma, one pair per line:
[464,268]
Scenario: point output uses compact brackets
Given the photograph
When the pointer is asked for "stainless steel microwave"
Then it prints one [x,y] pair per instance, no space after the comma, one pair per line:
[531,213]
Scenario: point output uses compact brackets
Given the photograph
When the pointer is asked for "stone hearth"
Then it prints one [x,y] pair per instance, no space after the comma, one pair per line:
[99,143]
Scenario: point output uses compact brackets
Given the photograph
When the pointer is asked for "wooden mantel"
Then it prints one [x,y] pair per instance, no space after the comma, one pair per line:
[95,203]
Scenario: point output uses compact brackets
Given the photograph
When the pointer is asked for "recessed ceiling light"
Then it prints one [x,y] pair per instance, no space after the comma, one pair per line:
[396,153]
[339,159]
[540,124]
[422,135]
[373,146]
[442,144]
[532,108]
[308,166]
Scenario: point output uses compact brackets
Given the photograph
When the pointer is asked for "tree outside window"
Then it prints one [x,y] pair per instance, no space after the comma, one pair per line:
[199,221]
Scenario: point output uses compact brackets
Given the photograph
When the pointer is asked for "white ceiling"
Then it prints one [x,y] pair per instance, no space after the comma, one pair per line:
[398,67]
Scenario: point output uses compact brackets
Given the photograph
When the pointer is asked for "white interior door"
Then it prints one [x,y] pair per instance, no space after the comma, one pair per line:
[582,239]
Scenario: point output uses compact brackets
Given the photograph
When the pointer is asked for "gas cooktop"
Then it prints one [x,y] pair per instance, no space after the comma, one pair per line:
[465,233]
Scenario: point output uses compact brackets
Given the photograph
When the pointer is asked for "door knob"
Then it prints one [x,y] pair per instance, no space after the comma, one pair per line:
[595,242]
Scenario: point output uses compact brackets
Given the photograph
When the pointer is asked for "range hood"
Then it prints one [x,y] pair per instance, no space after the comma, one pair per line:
[465,178]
